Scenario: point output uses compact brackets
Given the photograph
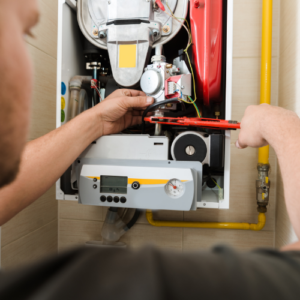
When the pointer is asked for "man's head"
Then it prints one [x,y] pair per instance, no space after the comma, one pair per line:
[17,17]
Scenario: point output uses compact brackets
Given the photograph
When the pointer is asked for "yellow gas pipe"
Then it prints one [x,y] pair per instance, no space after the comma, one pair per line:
[266,66]
[211,225]
[263,155]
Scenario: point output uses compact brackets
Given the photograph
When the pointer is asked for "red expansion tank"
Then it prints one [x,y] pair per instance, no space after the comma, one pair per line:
[206,18]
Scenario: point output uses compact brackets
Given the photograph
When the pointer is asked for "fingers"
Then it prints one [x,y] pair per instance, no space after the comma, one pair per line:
[240,145]
[125,93]
[135,102]
[136,120]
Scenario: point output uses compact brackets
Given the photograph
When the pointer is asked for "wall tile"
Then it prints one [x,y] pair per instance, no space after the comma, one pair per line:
[31,247]
[46,31]
[193,239]
[162,237]
[43,116]
[76,211]
[76,232]
[247,26]
[37,215]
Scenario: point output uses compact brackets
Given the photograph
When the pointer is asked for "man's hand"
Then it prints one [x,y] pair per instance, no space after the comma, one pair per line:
[261,124]
[251,127]
[122,109]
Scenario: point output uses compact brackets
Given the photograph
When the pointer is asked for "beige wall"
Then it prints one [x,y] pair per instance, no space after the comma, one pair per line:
[78,224]
[289,97]
[33,232]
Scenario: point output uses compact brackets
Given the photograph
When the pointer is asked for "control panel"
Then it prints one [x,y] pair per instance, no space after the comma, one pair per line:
[142,184]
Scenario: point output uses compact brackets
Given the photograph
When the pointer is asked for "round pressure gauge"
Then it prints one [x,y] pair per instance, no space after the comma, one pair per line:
[175,188]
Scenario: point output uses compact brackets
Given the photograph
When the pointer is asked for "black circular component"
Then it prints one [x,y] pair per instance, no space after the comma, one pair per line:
[211,182]
[116,199]
[95,179]
[103,198]
[123,200]
[187,141]
[95,186]
[135,185]
[109,199]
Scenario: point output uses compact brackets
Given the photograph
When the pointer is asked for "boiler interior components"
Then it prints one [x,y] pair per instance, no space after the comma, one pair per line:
[199,146]
[128,29]
[207,32]
[149,45]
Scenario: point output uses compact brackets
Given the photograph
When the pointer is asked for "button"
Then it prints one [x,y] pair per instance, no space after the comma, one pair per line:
[103,198]
[116,199]
[123,200]
[135,185]
[95,186]
[109,199]
[95,179]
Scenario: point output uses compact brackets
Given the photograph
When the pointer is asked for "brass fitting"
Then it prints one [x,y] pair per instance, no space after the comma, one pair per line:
[263,187]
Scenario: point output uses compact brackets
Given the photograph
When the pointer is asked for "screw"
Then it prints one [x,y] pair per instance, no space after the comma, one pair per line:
[95,32]
[95,179]
[166,29]
[204,204]
[190,150]
[95,186]
[155,33]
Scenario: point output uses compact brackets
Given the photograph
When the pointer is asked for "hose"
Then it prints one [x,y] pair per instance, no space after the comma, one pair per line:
[153,106]
[133,220]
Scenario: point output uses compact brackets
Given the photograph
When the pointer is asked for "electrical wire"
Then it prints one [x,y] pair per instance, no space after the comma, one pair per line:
[216,183]
[187,28]
[196,107]
[153,106]
[94,86]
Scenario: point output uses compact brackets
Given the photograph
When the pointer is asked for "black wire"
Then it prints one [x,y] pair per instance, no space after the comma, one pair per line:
[134,219]
[183,113]
[153,106]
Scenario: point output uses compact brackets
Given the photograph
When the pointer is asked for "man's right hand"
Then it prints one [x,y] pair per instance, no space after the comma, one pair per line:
[261,125]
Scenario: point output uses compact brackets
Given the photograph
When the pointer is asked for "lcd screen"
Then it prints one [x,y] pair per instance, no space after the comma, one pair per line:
[113,184]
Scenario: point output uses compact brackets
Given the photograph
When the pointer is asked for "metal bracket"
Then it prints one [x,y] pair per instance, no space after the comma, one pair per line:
[93,65]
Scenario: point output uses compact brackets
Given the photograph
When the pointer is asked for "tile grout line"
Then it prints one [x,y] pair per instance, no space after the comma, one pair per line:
[41,50]
[28,233]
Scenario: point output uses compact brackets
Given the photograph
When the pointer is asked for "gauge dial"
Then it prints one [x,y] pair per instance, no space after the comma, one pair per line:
[174,188]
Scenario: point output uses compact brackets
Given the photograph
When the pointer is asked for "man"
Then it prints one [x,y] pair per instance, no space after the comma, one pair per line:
[111,274]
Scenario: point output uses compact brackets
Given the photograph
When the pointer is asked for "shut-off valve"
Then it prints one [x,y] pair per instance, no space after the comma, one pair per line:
[263,187]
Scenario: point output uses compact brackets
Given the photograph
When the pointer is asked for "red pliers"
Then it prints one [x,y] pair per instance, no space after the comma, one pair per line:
[196,122]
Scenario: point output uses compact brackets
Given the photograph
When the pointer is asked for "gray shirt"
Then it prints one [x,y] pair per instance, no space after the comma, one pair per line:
[151,274]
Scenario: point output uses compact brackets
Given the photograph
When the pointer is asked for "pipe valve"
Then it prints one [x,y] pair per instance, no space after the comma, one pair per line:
[263,187]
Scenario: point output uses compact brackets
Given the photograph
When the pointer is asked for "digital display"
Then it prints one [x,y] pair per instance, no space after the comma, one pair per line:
[113,184]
